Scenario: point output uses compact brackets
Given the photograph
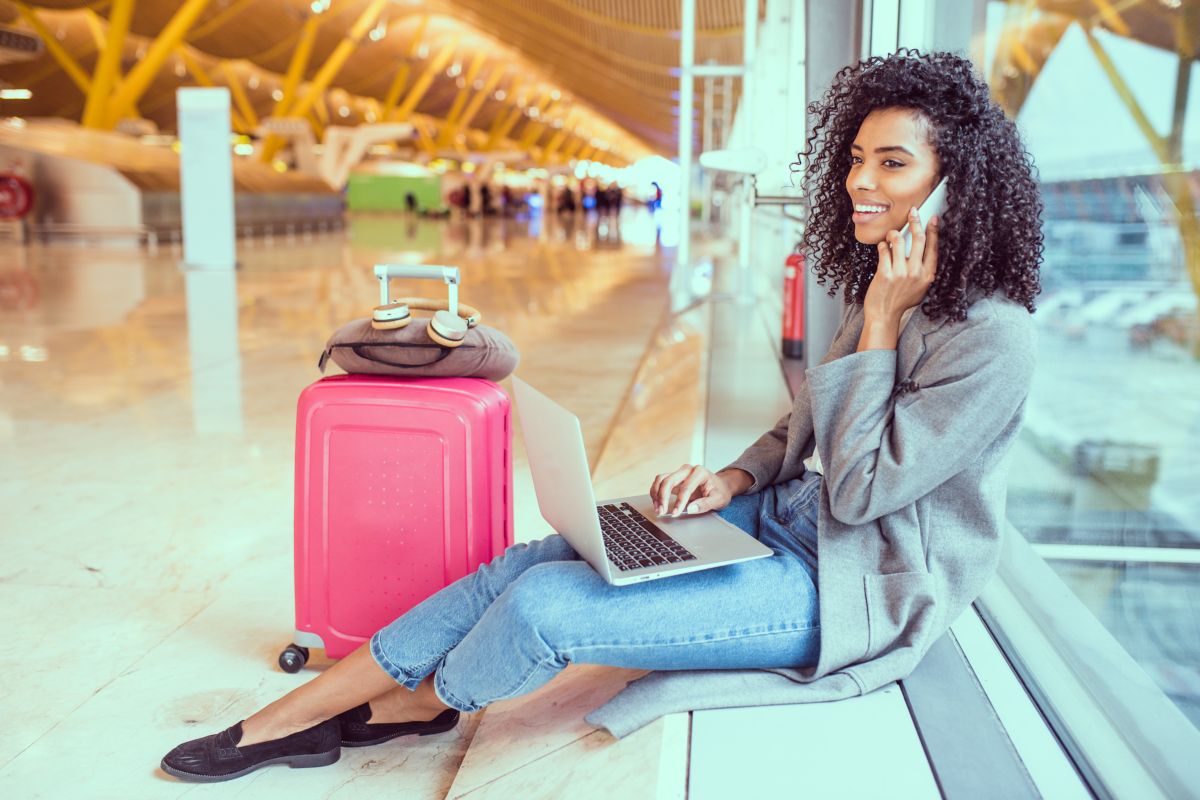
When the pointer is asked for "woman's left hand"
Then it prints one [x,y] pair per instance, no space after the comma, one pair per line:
[901,282]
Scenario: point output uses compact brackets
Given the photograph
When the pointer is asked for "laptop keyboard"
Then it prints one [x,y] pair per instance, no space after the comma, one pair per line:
[633,542]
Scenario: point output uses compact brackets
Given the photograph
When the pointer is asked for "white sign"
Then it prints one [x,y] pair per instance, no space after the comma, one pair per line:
[206,178]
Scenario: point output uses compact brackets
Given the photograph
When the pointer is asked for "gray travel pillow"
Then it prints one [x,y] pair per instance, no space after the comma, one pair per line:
[409,352]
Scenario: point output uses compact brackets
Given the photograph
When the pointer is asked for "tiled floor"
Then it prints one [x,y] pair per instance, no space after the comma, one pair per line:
[145,585]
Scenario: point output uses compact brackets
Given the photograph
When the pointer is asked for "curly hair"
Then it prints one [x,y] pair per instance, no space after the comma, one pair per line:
[990,235]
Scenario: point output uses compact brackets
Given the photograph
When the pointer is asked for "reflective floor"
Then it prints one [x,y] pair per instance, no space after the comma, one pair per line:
[146,452]
[146,448]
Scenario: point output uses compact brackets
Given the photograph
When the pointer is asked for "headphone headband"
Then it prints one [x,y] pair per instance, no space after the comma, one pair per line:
[466,312]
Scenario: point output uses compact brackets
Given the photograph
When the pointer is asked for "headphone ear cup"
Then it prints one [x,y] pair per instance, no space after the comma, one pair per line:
[390,317]
[394,325]
[449,330]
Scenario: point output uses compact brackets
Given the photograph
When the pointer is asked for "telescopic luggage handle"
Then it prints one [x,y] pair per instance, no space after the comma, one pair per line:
[385,272]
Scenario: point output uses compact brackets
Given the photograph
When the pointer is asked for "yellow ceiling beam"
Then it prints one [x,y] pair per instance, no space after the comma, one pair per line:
[551,149]
[503,123]
[422,84]
[393,93]
[479,99]
[56,66]
[460,99]
[1187,23]
[507,117]
[1024,59]
[193,66]
[1156,142]
[533,131]
[239,94]
[325,74]
[291,82]
[476,66]
[574,147]
[1111,17]
[587,153]
[140,76]
[570,123]
[418,36]
[298,63]
[423,136]
[96,27]
[400,79]
[204,79]
[337,58]
[461,114]
[57,51]
[108,66]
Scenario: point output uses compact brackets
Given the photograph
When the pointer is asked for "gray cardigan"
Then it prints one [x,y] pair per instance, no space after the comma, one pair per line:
[915,445]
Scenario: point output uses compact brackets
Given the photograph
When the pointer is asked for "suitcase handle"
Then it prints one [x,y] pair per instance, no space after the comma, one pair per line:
[385,272]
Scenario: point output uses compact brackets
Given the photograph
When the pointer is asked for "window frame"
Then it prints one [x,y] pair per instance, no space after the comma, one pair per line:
[1127,738]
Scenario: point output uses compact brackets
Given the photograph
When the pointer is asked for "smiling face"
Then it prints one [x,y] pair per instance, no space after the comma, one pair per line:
[893,168]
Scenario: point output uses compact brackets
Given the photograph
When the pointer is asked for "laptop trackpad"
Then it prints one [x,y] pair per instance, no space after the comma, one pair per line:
[707,535]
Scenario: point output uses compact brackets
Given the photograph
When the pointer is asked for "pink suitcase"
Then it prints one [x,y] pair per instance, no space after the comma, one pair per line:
[402,487]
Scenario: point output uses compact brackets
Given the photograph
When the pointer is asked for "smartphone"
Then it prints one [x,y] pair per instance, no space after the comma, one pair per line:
[934,205]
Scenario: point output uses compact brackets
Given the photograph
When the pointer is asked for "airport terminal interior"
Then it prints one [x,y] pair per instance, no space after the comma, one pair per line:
[194,195]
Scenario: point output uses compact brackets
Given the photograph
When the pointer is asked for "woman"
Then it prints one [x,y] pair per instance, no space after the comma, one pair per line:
[888,473]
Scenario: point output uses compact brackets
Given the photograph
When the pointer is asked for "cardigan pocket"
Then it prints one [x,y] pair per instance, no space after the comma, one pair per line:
[895,604]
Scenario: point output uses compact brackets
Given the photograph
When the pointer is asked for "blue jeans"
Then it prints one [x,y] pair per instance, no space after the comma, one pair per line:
[513,624]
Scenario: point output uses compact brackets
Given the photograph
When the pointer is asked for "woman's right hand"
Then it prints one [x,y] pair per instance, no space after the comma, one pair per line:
[691,488]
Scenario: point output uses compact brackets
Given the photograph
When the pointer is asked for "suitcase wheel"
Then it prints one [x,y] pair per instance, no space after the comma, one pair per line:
[293,658]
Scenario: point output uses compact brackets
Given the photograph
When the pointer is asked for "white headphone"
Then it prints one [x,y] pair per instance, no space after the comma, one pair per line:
[451,319]
[445,328]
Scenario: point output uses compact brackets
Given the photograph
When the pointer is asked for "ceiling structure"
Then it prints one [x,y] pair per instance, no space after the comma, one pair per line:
[1031,31]
[561,78]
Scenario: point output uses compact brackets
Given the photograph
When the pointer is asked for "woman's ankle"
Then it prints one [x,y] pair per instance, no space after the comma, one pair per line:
[387,710]
[259,728]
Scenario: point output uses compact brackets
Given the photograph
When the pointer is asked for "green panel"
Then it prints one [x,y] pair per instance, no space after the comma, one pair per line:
[366,192]
[397,238]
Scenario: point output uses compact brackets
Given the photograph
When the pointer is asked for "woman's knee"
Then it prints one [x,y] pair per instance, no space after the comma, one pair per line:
[522,556]
[550,593]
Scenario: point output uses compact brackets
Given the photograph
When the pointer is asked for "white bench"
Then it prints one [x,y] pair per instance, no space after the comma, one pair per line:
[940,733]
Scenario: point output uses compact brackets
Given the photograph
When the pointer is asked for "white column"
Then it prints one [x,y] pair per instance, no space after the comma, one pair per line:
[681,275]
[206,178]
[706,144]
[726,110]
[747,109]
[915,27]
[833,39]
[881,32]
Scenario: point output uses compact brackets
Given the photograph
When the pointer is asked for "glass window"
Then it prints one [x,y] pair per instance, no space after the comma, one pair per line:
[1105,480]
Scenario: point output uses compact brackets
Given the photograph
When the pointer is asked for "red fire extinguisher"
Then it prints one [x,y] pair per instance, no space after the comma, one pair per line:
[793,306]
[16,196]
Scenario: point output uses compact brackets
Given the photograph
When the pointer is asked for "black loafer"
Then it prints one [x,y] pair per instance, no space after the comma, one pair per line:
[218,757]
[357,732]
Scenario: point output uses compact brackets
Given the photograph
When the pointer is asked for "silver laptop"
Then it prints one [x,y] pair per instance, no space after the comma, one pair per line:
[624,540]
